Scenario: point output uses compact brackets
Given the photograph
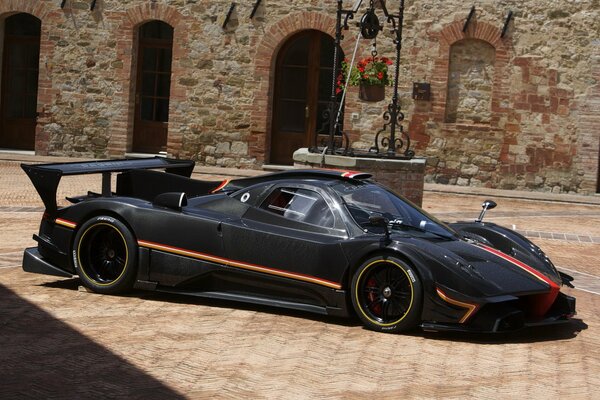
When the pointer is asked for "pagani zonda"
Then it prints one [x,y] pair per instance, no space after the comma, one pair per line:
[330,242]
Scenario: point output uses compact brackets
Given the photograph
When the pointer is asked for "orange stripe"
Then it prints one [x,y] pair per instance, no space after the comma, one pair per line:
[238,264]
[221,186]
[521,265]
[64,222]
[471,308]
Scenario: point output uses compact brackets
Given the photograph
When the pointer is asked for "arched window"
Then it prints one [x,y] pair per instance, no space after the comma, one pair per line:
[20,69]
[470,82]
[153,87]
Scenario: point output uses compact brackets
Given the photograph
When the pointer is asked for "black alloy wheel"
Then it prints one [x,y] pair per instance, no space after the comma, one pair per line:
[105,254]
[387,294]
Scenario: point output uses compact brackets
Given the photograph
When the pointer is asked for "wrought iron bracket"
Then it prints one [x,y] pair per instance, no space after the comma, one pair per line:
[228,16]
[469,18]
[255,8]
[397,144]
[506,23]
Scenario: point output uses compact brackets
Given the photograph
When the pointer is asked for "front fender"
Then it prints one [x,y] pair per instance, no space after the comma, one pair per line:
[432,263]
[511,243]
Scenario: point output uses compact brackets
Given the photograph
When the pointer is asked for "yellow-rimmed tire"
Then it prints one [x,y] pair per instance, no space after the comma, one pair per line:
[105,255]
[387,294]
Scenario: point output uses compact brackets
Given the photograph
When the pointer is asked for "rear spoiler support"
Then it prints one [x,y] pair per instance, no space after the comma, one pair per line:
[46,177]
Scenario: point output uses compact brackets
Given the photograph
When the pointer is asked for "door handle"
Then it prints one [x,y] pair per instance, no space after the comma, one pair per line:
[220,229]
[306,112]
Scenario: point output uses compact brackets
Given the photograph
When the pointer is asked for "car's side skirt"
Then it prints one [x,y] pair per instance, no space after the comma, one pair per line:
[238,264]
[174,273]
[255,300]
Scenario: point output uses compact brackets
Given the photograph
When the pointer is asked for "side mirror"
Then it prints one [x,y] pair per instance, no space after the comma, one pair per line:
[380,221]
[487,205]
[172,200]
[377,220]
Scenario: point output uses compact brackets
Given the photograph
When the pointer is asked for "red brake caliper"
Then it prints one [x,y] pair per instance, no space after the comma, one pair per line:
[372,296]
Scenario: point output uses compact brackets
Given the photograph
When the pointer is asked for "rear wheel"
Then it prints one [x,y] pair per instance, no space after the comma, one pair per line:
[387,294]
[105,254]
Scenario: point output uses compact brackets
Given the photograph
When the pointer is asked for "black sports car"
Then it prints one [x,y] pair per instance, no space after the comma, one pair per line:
[326,241]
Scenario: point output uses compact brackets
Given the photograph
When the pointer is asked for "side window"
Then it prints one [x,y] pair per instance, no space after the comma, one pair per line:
[301,205]
[251,196]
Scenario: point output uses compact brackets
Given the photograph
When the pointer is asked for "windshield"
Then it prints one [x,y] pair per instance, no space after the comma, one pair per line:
[366,200]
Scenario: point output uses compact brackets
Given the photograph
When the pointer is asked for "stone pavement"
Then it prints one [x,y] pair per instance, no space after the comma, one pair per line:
[57,341]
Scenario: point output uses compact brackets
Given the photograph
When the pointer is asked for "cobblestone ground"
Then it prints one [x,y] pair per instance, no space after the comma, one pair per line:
[58,341]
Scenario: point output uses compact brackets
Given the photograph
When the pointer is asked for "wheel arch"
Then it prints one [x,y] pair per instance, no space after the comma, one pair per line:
[101,280]
[121,211]
[401,251]
[124,216]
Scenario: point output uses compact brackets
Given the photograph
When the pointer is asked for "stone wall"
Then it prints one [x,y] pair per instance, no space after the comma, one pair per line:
[526,116]
[470,82]
[537,132]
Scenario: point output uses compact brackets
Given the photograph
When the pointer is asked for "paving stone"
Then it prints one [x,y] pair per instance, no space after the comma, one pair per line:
[59,342]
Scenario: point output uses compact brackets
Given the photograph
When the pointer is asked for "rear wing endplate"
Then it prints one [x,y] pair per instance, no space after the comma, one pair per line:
[46,177]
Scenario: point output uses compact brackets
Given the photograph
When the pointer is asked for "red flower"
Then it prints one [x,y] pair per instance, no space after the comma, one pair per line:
[338,91]
[369,70]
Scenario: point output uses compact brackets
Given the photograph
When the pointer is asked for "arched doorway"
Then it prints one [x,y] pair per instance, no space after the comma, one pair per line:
[303,78]
[20,69]
[153,87]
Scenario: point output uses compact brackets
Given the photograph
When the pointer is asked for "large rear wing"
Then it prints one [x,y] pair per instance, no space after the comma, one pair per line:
[46,177]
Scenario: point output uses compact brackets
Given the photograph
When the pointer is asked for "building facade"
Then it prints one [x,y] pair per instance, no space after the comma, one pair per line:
[514,104]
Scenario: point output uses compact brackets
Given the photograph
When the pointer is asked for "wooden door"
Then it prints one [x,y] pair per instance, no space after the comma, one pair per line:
[153,87]
[20,68]
[303,79]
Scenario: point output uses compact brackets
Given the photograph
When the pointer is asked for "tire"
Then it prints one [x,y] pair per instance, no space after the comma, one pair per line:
[105,255]
[387,295]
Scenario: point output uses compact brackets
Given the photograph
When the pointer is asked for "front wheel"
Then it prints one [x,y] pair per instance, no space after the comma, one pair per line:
[387,294]
[105,254]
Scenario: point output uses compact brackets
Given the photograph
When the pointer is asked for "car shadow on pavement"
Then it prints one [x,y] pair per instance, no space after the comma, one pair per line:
[564,331]
[42,357]
[175,298]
